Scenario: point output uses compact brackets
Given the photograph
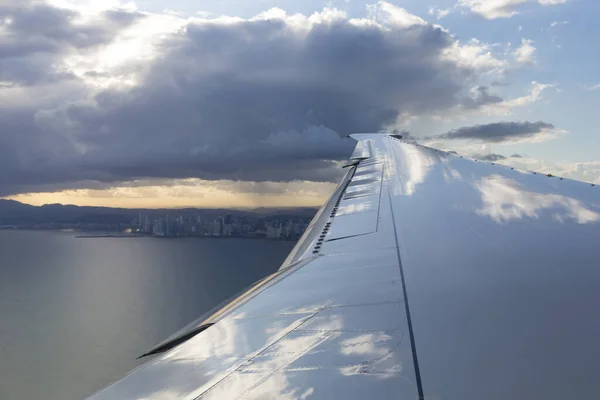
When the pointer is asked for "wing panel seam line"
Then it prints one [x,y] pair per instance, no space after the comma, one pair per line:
[242,360]
[380,194]
[407,307]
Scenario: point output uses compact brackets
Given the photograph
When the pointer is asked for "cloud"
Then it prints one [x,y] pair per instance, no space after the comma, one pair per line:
[582,171]
[504,132]
[155,193]
[505,200]
[481,100]
[489,157]
[525,54]
[554,24]
[480,96]
[384,13]
[492,9]
[475,55]
[36,37]
[588,171]
[264,99]
[439,13]
[592,88]
[493,157]
[535,95]
[506,107]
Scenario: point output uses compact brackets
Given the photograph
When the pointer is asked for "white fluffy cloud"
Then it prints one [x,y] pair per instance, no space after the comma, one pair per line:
[475,55]
[525,54]
[507,107]
[492,9]
[439,13]
[506,200]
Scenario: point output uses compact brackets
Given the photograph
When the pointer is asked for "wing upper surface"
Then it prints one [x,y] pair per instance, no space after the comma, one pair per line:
[502,272]
[332,323]
[425,273]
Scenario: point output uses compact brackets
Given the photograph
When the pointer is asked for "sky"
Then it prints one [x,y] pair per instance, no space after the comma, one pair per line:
[233,103]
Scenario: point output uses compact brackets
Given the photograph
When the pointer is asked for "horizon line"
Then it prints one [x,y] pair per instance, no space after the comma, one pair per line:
[161,208]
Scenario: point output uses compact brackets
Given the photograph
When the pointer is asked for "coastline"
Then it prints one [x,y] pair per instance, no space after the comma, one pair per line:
[100,236]
[81,234]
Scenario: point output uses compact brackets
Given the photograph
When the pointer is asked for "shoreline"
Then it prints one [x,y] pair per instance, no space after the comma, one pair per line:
[82,234]
[100,236]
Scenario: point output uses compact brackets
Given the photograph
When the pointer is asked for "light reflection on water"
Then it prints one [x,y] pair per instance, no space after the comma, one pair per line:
[75,313]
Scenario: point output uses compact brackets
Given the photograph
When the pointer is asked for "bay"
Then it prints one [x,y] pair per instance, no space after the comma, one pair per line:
[75,313]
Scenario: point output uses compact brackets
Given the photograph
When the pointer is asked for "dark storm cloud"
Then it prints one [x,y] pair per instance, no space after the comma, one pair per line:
[499,131]
[256,100]
[489,157]
[480,98]
[36,36]
[493,157]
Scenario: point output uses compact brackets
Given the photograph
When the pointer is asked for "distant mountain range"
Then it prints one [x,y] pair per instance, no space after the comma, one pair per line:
[16,213]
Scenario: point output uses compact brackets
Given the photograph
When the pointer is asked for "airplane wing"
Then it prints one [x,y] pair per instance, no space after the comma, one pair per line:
[425,276]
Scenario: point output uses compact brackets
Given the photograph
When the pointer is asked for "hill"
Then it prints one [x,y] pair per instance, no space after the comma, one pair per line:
[16,213]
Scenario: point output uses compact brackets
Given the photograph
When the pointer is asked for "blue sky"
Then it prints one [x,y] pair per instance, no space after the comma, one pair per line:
[167,103]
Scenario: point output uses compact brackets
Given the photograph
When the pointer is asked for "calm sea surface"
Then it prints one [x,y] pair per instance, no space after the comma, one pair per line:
[75,313]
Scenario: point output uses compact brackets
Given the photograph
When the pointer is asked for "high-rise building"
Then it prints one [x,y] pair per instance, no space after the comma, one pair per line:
[217,227]
[222,224]
[274,230]
[140,221]
[147,225]
[158,229]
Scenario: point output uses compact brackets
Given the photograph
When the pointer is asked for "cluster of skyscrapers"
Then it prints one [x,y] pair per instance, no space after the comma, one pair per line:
[228,225]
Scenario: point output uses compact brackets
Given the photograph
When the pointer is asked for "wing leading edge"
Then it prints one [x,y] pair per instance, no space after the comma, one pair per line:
[425,275]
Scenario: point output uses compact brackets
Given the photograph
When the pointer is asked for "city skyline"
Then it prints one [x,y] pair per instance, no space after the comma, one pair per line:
[228,225]
[288,224]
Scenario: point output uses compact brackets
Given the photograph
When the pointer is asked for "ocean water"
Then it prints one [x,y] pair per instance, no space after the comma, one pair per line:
[75,313]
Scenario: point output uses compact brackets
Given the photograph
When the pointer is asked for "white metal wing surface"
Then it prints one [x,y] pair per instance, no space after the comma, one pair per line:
[426,275]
